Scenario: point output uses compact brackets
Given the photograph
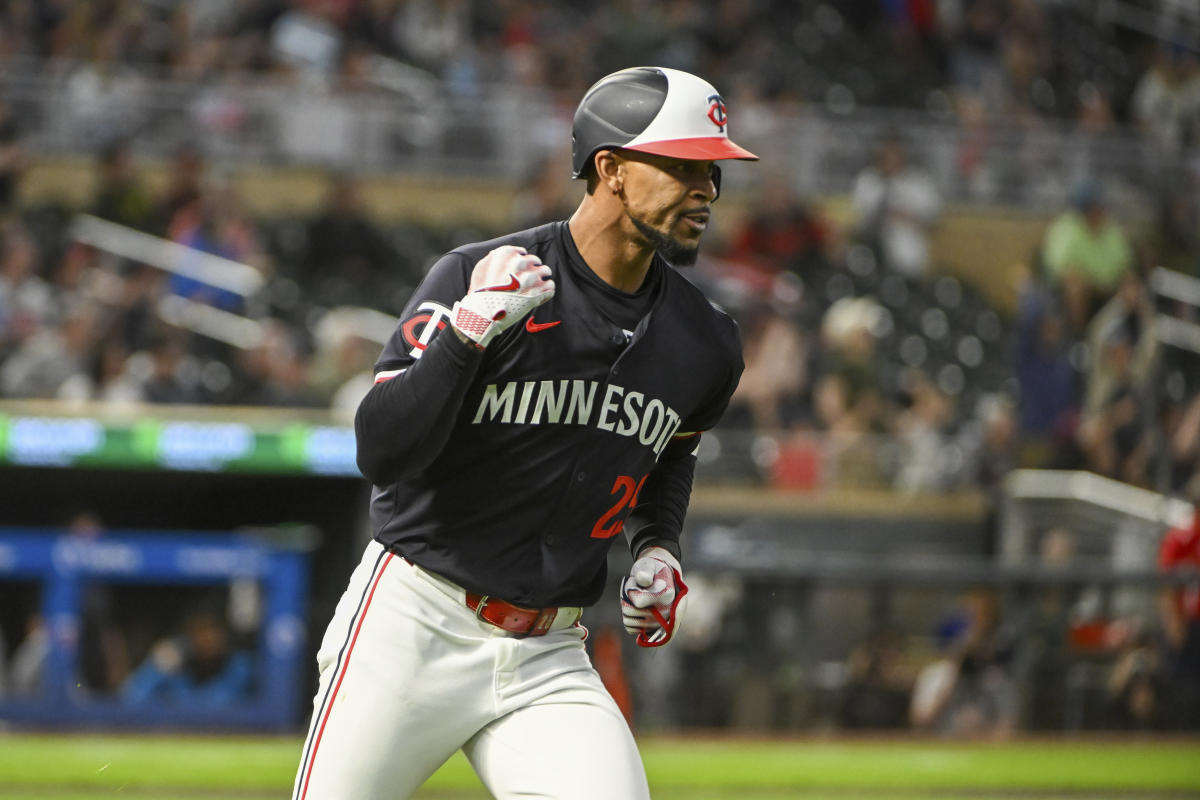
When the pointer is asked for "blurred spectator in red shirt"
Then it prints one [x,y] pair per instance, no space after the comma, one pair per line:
[1180,608]
[780,233]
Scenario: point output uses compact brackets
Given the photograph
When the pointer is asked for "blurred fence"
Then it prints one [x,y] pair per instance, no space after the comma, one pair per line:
[401,119]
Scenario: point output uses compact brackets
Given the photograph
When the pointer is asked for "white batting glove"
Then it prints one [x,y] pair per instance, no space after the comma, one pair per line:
[506,285]
[651,597]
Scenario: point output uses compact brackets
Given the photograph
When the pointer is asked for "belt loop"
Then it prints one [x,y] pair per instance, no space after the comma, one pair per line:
[543,621]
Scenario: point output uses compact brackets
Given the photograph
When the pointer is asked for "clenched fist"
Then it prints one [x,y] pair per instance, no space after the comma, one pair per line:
[505,286]
[651,596]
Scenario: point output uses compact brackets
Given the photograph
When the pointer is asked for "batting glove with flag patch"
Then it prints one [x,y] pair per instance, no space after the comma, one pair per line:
[651,597]
[506,285]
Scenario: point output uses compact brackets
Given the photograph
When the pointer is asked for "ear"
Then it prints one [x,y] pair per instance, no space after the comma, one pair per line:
[609,170]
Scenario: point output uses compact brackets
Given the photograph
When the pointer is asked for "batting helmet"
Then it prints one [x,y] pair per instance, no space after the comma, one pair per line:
[656,110]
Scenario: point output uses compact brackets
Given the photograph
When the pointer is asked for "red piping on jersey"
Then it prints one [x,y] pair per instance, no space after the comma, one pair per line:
[686,435]
[345,666]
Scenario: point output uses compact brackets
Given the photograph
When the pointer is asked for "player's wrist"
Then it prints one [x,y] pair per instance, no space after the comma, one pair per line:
[470,326]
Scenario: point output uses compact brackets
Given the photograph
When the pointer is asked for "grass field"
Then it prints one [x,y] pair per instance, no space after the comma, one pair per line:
[167,767]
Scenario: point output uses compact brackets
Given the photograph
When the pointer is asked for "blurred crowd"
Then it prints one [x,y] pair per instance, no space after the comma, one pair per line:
[995,57]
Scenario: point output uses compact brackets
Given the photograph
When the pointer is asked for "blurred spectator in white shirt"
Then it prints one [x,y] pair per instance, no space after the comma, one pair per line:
[895,206]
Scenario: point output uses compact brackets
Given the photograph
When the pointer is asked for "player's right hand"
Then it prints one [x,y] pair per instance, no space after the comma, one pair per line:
[505,286]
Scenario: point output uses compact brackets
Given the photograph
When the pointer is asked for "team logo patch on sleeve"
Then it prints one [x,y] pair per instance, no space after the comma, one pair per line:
[419,329]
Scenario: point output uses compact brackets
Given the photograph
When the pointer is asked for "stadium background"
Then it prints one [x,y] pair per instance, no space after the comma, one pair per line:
[212,211]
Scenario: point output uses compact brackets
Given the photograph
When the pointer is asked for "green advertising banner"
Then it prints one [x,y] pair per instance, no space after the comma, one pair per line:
[205,446]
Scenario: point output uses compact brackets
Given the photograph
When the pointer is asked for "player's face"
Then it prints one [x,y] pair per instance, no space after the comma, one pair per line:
[668,201]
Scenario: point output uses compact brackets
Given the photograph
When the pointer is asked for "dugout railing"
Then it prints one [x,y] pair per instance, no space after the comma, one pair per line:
[59,569]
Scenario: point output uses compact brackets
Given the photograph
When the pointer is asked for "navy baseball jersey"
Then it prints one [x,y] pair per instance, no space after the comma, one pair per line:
[509,470]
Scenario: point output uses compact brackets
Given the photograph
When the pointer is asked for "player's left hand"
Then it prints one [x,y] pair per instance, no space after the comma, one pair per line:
[651,597]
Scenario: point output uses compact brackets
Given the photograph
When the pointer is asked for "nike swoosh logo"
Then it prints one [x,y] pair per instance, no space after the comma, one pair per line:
[534,327]
[512,285]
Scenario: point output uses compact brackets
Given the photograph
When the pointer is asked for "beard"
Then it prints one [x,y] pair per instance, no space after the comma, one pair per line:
[674,251]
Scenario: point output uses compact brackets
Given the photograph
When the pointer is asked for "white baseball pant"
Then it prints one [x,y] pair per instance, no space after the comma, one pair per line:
[409,674]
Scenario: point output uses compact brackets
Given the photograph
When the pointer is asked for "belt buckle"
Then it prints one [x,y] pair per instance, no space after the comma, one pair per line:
[483,601]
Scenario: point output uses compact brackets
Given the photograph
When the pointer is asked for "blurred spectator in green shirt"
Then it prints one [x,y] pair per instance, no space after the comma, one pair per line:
[1086,253]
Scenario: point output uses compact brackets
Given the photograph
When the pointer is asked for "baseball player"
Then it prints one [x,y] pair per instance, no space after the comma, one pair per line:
[543,393]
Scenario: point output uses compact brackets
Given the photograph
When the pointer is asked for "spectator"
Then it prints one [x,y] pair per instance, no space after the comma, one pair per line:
[29,659]
[848,402]
[877,689]
[1047,381]
[219,224]
[200,668]
[1114,434]
[347,254]
[1182,426]
[26,301]
[120,195]
[1179,608]
[1179,223]
[1121,339]
[921,430]
[1134,690]
[1166,101]
[895,206]
[781,233]
[547,193]
[49,359]
[969,692]
[107,379]
[184,187]
[1086,254]
[13,160]
[776,379]
[165,383]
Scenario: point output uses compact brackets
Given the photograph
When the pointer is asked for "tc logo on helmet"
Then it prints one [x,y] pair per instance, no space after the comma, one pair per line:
[716,111]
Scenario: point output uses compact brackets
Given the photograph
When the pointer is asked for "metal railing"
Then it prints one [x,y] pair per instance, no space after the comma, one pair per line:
[408,121]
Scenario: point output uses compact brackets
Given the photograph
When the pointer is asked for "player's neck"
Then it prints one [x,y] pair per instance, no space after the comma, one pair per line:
[608,250]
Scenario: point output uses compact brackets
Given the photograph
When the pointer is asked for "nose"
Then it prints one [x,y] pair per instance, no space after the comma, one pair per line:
[705,188]
[710,184]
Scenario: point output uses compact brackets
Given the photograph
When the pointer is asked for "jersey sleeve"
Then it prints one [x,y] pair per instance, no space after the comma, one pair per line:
[657,519]
[420,380]
[710,411]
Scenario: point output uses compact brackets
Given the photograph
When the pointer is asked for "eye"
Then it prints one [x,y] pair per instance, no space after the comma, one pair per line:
[692,168]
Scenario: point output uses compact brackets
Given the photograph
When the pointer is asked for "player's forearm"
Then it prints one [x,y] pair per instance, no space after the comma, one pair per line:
[662,505]
[403,423]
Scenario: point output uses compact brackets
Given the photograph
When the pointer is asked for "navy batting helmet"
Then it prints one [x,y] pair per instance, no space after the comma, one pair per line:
[656,110]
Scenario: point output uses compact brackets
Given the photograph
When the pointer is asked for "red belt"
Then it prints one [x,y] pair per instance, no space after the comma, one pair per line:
[514,619]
